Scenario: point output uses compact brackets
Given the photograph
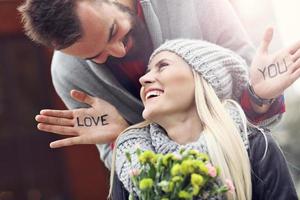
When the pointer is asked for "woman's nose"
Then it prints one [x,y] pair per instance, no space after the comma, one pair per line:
[147,78]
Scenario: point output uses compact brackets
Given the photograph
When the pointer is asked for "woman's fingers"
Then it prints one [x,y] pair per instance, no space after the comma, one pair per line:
[61,130]
[54,120]
[57,113]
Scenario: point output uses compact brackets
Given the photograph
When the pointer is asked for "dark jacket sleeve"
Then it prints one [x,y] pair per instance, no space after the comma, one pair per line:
[271,178]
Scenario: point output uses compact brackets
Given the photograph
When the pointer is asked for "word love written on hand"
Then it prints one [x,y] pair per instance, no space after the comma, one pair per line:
[90,121]
[274,70]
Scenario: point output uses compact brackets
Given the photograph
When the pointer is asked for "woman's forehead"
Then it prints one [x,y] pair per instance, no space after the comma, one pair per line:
[163,55]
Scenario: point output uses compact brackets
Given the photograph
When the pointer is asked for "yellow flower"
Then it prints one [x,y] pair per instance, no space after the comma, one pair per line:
[176,170]
[196,179]
[203,157]
[196,190]
[184,195]
[203,168]
[177,179]
[194,152]
[166,186]
[146,184]
[187,167]
[146,157]
[166,158]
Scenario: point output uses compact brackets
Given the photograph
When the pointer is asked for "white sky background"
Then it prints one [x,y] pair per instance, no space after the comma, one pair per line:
[283,15]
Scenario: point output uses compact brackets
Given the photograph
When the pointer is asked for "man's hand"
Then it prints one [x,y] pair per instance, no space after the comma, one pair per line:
[101,123]
[271,74]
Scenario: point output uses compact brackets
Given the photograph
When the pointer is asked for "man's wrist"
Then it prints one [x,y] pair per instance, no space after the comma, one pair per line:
[258,100]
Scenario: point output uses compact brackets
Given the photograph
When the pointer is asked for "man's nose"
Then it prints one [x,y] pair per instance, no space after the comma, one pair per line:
[117,49]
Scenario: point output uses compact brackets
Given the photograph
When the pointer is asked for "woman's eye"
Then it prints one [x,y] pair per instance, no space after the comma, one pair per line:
[162,66]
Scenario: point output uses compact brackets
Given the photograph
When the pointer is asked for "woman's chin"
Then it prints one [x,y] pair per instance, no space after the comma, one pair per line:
[148,115]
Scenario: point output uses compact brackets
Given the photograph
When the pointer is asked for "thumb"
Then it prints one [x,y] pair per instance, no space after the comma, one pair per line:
[267,38]
[82,97]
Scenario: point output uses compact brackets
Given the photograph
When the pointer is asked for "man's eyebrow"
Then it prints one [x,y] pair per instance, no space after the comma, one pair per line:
[111,29]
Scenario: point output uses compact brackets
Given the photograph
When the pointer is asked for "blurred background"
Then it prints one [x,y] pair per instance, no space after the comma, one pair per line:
[30,170]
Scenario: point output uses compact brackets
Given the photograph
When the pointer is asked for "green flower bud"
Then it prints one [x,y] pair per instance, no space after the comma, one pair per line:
[196,190]
[194,152]
[203,168]
[146,157]
[146,184]
[176,170]
[203,157]
[166,159]
[197,180]
[177,179]
[184,195]
[187,167]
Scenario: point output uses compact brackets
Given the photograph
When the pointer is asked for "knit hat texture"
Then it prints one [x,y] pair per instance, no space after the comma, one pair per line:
[222,68]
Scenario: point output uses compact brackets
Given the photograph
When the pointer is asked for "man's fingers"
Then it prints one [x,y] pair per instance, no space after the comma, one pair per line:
[296,55]
[295,66]
[82,97]
[296,75]
[66,142]
[267,38]
[61,130]
[54,120]
[57,113]
[293,48]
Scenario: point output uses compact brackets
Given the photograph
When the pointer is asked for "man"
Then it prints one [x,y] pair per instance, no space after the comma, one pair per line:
[103,48]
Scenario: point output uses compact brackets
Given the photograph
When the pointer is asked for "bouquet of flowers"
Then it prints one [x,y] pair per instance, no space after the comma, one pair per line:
[185,175]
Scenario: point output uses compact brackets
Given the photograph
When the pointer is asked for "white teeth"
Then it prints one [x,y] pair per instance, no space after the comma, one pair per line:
[153,93]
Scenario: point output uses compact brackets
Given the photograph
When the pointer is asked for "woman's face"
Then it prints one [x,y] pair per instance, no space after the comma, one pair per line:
[167,88]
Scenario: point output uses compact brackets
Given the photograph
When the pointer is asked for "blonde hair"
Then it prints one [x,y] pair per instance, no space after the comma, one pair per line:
[225,146]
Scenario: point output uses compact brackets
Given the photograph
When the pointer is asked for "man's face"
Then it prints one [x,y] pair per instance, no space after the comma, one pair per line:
[109,31]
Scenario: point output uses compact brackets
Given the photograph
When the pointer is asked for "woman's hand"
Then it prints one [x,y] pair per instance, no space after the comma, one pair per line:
[101,123]
[271,74]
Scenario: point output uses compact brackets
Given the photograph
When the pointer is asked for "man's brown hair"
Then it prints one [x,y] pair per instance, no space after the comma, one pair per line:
[53,23]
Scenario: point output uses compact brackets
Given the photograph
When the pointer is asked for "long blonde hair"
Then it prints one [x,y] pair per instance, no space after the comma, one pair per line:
[225,146]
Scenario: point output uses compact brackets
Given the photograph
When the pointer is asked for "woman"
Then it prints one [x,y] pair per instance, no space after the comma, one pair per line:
[182,92]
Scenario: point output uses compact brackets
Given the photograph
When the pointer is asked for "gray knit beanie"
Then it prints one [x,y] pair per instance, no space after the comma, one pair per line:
[223,69]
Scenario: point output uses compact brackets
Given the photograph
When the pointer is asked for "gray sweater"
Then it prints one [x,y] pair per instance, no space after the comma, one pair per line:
[211,20]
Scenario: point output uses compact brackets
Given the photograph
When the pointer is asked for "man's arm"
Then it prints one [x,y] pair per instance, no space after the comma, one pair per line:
[221,25]
[70,73]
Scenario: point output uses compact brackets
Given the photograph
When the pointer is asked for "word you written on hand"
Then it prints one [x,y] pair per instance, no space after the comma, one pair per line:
[274,70]
[92,121]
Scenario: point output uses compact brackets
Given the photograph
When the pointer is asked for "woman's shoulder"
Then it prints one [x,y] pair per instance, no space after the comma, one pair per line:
[141,131]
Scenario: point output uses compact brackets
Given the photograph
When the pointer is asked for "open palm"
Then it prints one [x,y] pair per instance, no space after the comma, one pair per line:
[101,123]
[271,74]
